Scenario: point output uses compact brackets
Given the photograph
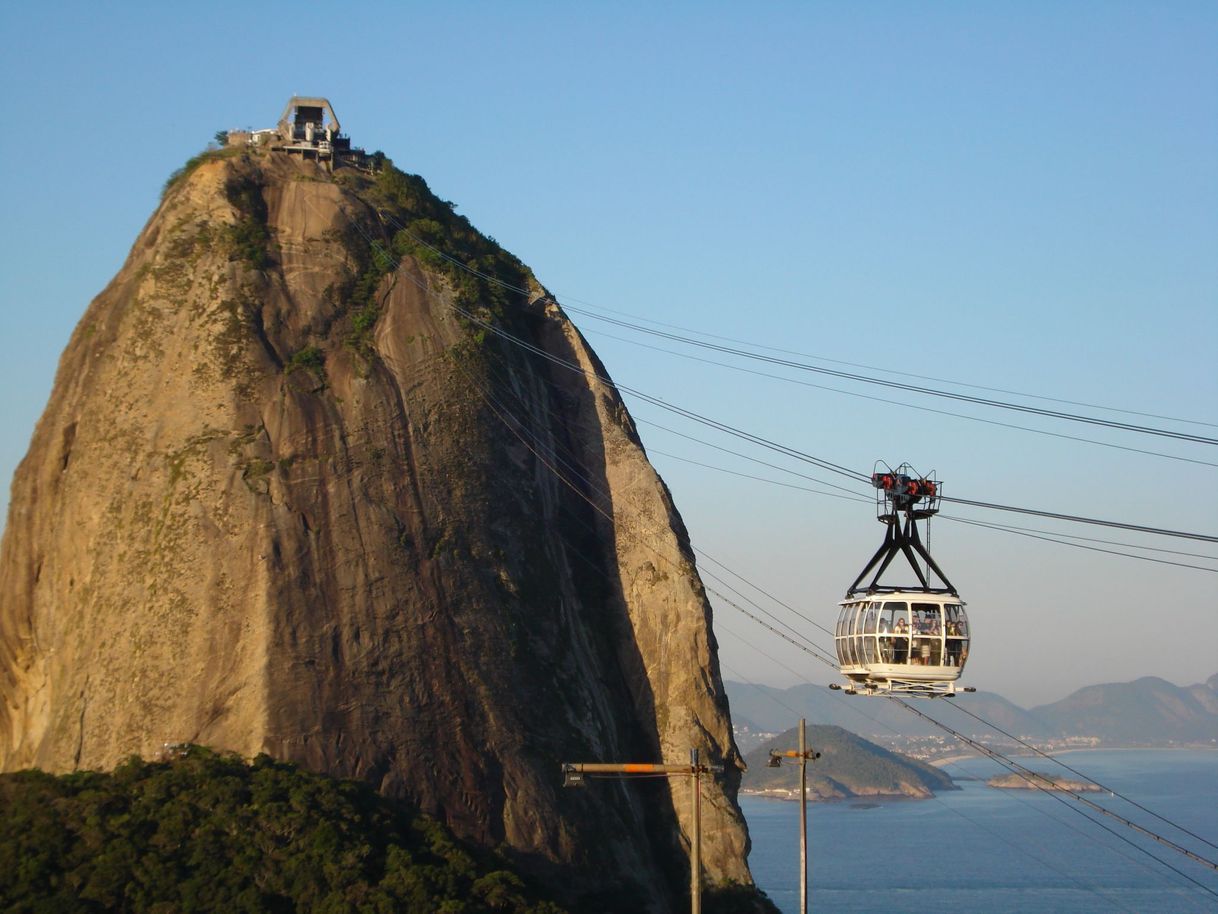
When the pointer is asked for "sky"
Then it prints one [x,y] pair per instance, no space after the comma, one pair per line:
[1018,196]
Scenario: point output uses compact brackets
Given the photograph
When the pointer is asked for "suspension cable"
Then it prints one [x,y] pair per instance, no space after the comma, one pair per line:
[804,366]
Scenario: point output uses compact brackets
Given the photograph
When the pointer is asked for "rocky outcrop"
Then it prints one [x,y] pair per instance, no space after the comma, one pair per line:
[1036,781]
[291,495]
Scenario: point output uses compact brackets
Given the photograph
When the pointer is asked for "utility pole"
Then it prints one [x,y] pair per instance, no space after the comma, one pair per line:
[803,753]
[573,776]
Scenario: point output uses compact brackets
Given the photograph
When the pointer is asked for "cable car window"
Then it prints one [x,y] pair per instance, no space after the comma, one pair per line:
[866,623]
[926,648]
[953,650]
[887,649]
[849,614]
[900,649]
[926,619]
[894,618]
[872,612]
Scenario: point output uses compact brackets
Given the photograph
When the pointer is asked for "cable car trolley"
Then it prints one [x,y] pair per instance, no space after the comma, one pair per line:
[910,639]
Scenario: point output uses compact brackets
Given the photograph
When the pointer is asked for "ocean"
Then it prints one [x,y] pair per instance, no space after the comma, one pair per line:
[981,849]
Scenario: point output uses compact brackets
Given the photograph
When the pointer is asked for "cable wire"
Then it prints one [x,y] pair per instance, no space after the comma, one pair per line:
[925,409]
[758,439]
[594,314]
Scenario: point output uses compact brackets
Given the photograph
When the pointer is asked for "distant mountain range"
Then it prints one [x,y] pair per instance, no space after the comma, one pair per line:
[1146,712]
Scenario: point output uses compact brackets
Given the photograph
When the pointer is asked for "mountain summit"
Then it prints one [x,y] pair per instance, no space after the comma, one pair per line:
[297,492]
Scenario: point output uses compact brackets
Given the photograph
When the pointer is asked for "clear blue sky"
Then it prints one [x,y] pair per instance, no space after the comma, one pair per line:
[1017,195]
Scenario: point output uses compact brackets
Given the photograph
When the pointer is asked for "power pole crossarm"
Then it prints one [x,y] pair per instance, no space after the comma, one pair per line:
[794,753]
[573,776]
[635,768]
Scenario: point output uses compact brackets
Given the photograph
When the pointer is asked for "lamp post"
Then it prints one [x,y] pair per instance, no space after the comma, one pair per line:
[803,753]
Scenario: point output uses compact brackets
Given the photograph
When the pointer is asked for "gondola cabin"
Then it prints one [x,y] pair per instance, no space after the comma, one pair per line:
[905,641]
[909,639]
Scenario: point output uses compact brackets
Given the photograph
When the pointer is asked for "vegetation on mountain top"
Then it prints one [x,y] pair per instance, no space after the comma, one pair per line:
[414,222]
[207,155]
[210,832]
[248,236]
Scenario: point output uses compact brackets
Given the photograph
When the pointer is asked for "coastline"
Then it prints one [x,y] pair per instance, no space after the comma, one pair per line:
[1053,753]
[949,759]
[782,795]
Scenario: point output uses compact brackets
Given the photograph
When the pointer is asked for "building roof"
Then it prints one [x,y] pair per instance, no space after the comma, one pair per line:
[304,101]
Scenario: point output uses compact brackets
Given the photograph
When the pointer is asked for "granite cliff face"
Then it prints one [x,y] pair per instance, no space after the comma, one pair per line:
[290,496]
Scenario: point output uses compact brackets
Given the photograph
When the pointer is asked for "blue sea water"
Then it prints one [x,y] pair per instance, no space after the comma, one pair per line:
[981,849]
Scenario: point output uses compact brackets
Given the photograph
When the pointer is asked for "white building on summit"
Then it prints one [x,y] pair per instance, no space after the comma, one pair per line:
[309,128]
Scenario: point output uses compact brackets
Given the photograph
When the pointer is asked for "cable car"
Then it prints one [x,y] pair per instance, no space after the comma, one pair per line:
[911,639]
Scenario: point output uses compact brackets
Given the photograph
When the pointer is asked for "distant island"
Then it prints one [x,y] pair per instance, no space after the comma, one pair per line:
[1039,781]
[849,766]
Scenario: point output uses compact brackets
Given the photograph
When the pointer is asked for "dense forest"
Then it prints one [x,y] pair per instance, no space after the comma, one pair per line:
[209,832]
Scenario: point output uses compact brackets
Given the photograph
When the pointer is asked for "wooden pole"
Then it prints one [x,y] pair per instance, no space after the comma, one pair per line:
[803,818]
[695,841]
[803,753]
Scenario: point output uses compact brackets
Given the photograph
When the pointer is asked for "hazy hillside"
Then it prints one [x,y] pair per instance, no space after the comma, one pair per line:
[1147,711]
[849,766]
[765,708]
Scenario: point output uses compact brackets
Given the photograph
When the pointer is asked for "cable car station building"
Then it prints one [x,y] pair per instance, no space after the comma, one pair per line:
[308,128]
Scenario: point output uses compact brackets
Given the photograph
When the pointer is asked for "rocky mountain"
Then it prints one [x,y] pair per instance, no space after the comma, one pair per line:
[296,492]
[849,766]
